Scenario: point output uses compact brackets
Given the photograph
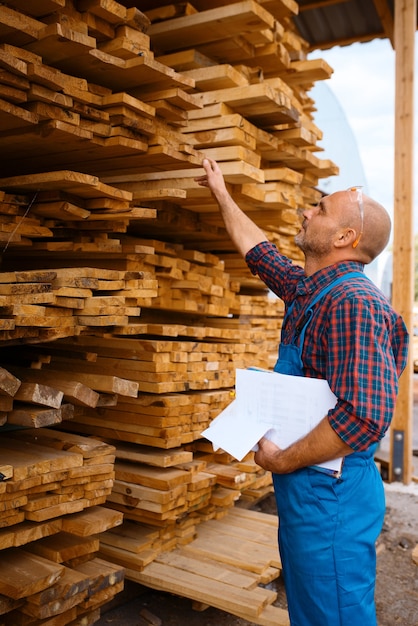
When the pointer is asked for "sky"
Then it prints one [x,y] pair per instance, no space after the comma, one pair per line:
[356,108]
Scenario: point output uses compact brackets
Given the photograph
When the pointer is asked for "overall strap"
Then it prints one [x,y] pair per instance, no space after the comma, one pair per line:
[301,328]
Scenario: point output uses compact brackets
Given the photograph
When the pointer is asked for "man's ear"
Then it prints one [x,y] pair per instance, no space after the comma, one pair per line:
[345,238]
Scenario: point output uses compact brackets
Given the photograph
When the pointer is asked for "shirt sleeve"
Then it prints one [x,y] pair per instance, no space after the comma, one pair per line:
[274,269]
[361,371]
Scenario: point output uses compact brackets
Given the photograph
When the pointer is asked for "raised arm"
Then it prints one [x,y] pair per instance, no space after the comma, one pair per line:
[244,233]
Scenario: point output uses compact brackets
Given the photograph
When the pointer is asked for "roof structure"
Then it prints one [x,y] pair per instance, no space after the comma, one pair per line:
[327,23]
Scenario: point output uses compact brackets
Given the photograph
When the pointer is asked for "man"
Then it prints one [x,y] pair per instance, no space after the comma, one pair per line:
[329,521]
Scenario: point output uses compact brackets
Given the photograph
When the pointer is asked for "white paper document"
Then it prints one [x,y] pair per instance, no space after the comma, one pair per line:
[280,407]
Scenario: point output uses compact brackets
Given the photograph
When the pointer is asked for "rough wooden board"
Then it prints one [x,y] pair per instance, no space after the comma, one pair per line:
[249,556]
[308,71]
[125,558]
[152,456]
[17,28]
[28,415]
[166,478]
[164,509]
[31,460]
[208,26]
[185,60]
[9,384]
[7,604]
[214,593]
[210,568]
[259,103]
[58,41]
[88,447]
[6,471]
[92,521]
[36,393]
[83,185]
[102,574]
[142,494]
[112,12]
[63,547]
[132,537]
[38,8]
[27,531]
[70,584]
[107,384]
[75,392]
[125,75]
[23,574]
[57,510]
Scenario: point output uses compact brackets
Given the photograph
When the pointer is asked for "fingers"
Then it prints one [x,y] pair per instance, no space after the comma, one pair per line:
[209,166]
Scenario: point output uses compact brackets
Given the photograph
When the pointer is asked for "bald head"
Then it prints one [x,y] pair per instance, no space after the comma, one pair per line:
[344,226]
[376,226]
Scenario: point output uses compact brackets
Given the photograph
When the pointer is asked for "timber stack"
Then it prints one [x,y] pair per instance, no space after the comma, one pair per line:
[124,309]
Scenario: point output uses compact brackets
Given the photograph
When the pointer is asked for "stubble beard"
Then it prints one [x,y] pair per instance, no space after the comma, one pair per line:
[311,247]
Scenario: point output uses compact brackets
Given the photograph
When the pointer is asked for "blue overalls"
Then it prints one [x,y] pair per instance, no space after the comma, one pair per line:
[328,526]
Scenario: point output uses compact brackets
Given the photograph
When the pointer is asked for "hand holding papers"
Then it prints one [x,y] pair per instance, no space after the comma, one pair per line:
[281,407]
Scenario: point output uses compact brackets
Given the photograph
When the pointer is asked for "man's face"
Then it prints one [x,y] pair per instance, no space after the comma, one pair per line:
[319,227]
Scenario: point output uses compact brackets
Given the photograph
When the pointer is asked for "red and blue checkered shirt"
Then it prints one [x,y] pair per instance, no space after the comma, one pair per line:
[355,340]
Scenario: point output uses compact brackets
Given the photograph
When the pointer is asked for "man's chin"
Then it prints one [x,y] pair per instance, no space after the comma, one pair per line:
[299,240]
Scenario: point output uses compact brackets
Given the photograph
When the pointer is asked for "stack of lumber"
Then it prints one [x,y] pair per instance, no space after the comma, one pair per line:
[53,474]
[123,303]
[227,566]
[52,494]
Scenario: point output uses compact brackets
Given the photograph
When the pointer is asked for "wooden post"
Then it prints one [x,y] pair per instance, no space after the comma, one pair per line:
[400,467]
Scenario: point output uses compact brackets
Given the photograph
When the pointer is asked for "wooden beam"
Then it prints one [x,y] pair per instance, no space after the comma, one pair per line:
[400,466]
[321,4]
[386,17]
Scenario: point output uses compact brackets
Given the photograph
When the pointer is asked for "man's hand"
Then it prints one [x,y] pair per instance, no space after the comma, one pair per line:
[213,178]
[266,455]
[321,444]
[244,233]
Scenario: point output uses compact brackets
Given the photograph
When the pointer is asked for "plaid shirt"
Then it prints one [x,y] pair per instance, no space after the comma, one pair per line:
[355,340]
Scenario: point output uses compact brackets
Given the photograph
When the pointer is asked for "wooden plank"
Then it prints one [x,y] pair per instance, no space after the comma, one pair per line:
[89,448]
[214,593]
[6,471]
[209,568]
[105,383]
[17,28]
[26,532]
[169,11]
[92,521]
[108,10]
[101,573]
[83,185]
[63,547]
[73,391]
[9,384]
[150,476]
[211,25]
[216,77]
[37,458]
[125,74]
[185,60]
[28,415]
[13,116]
[152,456]
[23,574]
[71,583]
[259,103]
[132,537]
[35,393]
[57,41]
